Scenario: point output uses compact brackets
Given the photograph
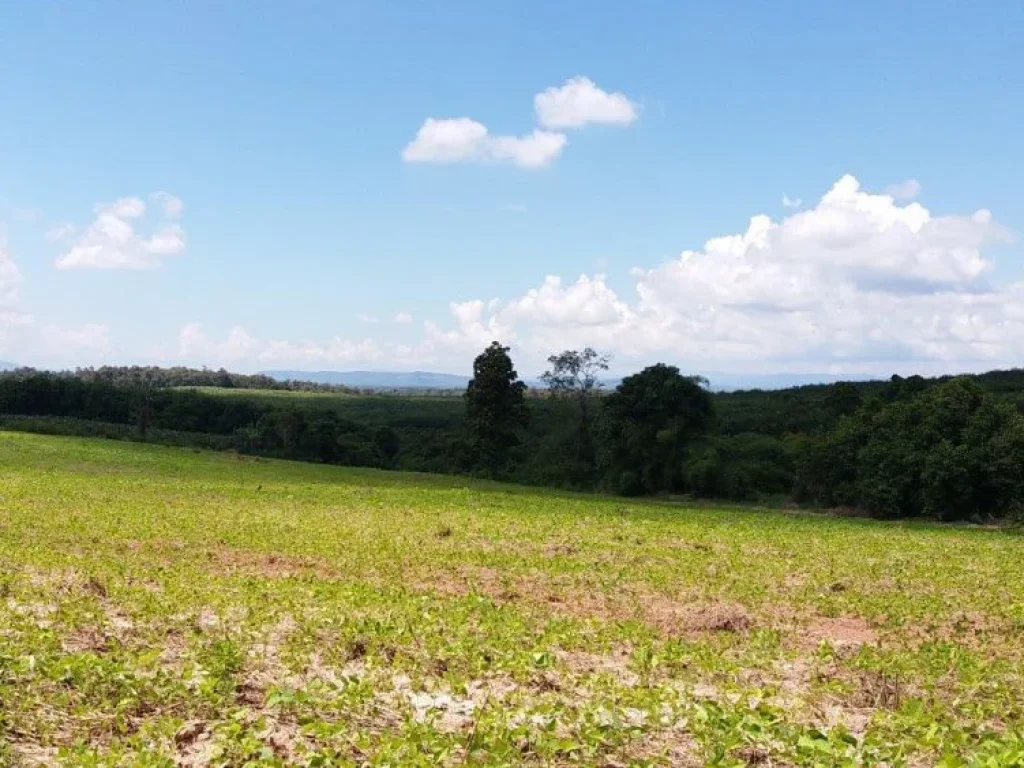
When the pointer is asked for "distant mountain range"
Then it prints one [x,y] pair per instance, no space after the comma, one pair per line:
[720,382]
[376,379]
[730,382]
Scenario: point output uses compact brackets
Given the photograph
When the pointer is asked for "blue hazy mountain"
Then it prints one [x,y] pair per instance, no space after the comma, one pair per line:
[377,379]
[719,382]
[730,382]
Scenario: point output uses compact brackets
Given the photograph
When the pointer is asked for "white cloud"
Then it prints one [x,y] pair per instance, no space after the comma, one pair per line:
[402,318]
[113,242]
[907,189]
[10,280]
[579,102]
[535,150]
[91,338]
[789,202]
[587,302]
[472,331]
[447,141]
[123,208]
[60,232]
[464,140]
[336,351]
[857,281]
[172,206]
[551,317]
[369,319]
[195,346]
[11,314]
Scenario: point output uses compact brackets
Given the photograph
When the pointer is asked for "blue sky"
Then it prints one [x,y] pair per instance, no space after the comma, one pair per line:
[307,225]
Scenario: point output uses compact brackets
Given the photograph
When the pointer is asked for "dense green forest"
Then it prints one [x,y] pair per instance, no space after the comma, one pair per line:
[153,376]
[948,447]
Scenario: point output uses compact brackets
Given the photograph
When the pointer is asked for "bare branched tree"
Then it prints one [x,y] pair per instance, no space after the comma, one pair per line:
[576,375]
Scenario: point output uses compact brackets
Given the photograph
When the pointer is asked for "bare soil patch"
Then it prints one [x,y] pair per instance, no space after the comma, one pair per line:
[662,612]
[274,566]
[32,755]
[676,618]
[673,746]
[848,631]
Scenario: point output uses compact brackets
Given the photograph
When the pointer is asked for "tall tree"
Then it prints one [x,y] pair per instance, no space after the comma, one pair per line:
[651,417]
[143,388]
[495,408]
[575,375]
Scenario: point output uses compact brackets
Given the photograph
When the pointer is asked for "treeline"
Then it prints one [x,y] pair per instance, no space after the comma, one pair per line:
[951,450]
[155,377]
[308,434]
[812,407]
[951,447]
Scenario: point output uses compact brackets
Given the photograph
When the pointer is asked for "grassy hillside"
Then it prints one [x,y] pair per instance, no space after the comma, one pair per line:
[165,606]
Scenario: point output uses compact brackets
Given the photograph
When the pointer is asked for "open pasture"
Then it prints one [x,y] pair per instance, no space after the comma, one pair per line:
[161,606]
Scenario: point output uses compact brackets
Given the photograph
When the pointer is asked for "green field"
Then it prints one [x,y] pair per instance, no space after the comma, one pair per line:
[161,606]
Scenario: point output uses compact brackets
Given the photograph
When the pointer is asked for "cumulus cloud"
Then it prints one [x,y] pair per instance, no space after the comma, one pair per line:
[113,239]
[907,189]
[790,202]
[461,139]
[238,346]
[588,302]
[573,105]
[554,316]
[857,281]
[471,331]
[402,318]
[578,102]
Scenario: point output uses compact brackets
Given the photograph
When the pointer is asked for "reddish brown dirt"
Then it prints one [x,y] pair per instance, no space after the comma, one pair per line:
[848,631]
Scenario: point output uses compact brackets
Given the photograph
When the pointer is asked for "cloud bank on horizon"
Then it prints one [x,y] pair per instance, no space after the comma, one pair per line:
[857,283]
[860,282]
